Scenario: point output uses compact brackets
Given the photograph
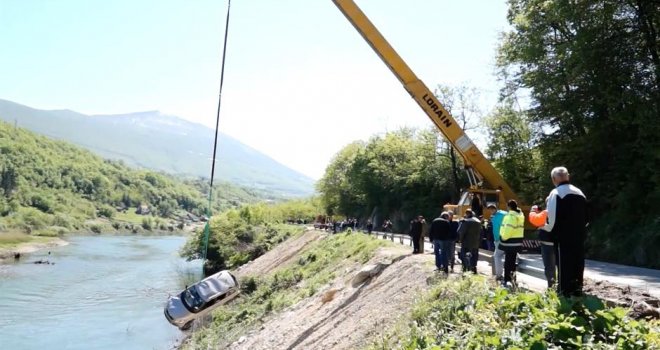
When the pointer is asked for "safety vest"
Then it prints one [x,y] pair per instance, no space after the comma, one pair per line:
[513,229]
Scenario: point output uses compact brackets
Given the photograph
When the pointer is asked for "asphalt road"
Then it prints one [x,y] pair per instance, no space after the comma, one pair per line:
[531,267]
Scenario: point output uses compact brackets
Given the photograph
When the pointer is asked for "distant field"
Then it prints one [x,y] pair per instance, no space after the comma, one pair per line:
[130,216]
[13,238]
[10,240]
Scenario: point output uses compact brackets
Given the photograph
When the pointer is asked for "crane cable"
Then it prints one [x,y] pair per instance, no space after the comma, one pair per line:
[207,228]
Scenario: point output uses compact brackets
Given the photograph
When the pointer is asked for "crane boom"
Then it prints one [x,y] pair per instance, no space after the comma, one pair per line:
[425,99]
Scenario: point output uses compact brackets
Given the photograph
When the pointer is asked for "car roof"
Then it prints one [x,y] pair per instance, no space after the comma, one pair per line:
[215,284]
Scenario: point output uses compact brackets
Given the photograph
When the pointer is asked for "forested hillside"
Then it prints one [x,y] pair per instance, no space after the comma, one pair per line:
[50,186]
[581,88]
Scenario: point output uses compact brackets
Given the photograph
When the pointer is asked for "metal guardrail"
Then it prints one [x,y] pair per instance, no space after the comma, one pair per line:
[525,266]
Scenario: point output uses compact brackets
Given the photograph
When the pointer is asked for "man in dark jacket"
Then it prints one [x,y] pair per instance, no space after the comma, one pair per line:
[439,234]
[453,237]
[469,232]
[567,223]
[416,227]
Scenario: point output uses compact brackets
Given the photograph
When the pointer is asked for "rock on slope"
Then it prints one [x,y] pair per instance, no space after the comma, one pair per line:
[360,304]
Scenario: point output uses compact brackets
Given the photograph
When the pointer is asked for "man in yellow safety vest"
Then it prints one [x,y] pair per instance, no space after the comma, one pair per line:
[511,237]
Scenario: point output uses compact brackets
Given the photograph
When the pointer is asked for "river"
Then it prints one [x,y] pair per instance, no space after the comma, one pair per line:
[103,292]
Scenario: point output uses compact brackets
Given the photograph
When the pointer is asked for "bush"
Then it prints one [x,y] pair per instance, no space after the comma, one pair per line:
[249,285]
[106,211]
[147,224]
[42,203]
[62,220]
[33,219]
[96,228]
[470,314]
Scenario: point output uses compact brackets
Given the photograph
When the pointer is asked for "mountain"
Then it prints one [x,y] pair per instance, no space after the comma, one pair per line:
[162,142]
[49,186]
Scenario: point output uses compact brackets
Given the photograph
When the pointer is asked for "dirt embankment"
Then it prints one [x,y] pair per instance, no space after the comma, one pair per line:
[641,304]
[360,304]
[279,256]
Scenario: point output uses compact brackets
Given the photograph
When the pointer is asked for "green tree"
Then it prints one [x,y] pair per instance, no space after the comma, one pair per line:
[8,180]
[514,152]
[462,102]
[398,175]
[592,71]
[338,192]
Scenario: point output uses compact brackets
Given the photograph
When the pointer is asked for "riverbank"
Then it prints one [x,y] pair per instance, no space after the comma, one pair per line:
[14,242]
[7,250]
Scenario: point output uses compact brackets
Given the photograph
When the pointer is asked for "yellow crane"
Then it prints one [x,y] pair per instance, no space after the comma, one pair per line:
[485,181]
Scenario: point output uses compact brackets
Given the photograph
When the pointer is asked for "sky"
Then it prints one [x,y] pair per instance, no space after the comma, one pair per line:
[300,82]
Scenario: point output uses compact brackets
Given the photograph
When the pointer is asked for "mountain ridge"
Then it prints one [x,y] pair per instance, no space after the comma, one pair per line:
[155,140]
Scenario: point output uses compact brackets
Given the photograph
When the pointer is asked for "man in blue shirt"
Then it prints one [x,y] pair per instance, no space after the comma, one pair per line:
[496,217]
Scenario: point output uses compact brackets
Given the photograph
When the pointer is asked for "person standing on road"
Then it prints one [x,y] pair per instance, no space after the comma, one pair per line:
[539,218]
[416,227]
[469,233]
[425,230]
[439,234]
[511,237]
[387,227]
[453,236]
[567,223]
[370,227]
[496,217]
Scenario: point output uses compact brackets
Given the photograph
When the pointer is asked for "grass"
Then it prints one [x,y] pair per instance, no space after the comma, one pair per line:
[470,313]
[13,238]
[129,216]
[313,269]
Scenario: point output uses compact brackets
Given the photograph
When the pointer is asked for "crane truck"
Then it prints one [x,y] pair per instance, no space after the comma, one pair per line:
[485,181]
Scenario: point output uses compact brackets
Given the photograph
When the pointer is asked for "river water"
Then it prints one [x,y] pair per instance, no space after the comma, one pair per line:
[104,292]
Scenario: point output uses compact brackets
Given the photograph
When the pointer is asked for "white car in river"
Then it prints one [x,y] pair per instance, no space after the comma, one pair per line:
[200,298]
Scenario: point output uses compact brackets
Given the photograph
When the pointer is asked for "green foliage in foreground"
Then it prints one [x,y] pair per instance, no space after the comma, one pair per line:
[470,314]
[243,234]
[312,269]
[49,187]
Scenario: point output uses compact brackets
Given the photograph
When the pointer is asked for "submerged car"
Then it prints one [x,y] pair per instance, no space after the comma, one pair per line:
[200,298]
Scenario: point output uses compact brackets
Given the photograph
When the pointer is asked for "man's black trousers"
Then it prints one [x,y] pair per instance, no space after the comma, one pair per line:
[571,265]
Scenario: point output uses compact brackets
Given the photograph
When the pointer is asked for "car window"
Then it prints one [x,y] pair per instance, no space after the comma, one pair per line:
[192,300]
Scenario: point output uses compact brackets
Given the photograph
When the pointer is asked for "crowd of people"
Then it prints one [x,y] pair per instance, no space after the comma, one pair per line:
[561,232]
[561,227]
